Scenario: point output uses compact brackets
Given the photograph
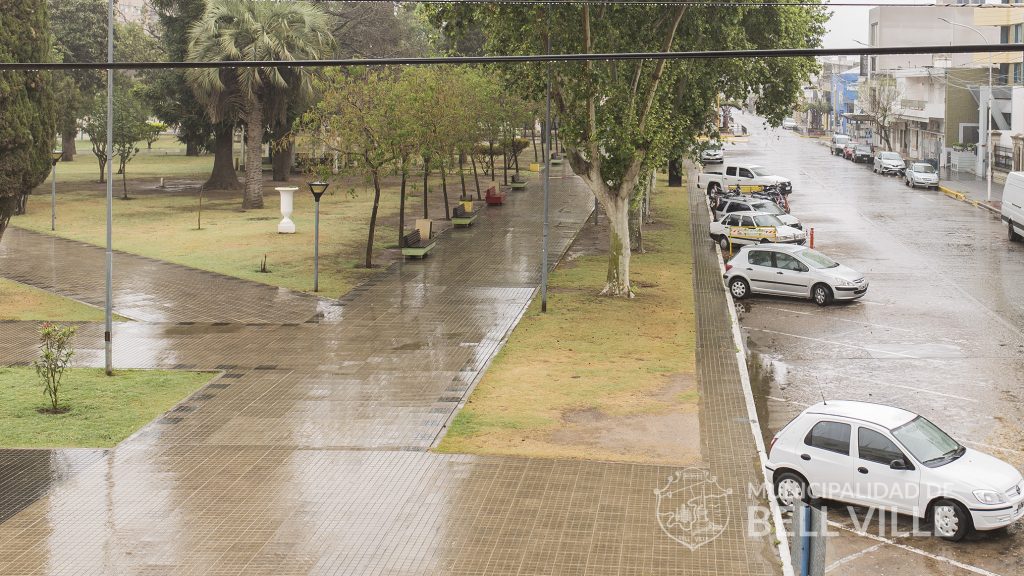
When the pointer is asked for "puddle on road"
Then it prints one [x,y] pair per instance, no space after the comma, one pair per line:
[766,374]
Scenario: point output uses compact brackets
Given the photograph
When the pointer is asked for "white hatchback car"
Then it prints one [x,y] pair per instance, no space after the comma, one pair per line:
[750,227]
[884,457]
[787,270]
[921,174]
[889,163]
[713,154]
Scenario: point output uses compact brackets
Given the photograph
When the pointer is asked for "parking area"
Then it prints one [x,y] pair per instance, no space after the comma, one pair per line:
[940,332]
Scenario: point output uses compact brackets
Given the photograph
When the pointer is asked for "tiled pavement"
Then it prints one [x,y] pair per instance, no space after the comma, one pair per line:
[308,454]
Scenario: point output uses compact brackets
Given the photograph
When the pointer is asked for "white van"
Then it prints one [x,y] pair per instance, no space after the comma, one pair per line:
[1013,205]
[837,143]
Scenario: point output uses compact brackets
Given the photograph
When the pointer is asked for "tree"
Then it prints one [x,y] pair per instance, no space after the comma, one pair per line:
[618,121]
[882,98]
[379,29]
[235,30]
[79,29]
[130,127]
[359,114]
[27,114]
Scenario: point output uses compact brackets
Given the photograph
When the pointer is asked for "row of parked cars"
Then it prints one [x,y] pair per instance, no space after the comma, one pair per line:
[886,163]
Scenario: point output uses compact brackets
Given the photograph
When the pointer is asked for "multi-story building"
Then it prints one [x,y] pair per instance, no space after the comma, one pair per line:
[935,104]
[1006,121]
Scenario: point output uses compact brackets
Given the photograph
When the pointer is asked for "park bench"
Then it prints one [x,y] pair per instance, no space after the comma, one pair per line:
[495,197]
[460,217]
[518,182]
[420,241]
[556,158]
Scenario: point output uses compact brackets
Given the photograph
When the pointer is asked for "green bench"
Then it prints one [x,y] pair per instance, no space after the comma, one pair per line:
[462,218]
[415,246]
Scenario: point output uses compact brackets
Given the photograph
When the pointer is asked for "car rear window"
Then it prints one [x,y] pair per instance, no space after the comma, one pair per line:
[831,436]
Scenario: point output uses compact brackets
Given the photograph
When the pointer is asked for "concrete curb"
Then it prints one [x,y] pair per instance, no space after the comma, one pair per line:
[964,198]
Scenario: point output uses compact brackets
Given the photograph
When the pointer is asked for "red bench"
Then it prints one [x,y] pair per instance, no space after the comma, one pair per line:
[495,197]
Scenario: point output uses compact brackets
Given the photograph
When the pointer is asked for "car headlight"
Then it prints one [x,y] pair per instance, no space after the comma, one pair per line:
[989,497]
[844,282]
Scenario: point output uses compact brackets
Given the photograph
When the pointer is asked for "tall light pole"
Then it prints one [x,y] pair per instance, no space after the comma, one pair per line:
[317,188]
[54,158]
[988,119]
[547,179]
[108,308]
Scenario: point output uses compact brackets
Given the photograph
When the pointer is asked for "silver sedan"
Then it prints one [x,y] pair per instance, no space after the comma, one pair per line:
[921,174]
[788,270]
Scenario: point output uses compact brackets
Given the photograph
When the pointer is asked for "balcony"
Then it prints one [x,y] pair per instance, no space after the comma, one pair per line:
[913,104]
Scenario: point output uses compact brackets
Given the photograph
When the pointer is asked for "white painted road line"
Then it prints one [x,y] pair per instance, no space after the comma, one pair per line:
[823,341]
[991,447]
[842,319]
[852,557]
[936,557]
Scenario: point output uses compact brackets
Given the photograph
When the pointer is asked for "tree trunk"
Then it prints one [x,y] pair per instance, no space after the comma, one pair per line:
[533,138]
[636,228]
[103,169]
[515,160]
[504,165]
[191,148]
[616,208]
[8,205]
[68,146]
[401,207]
[426,176]
[462,172]
[373,219]
[444,191]
[472,160]
[490,144]
[223,176]
[283,156]
[124,183]
[21,204]
[254,158]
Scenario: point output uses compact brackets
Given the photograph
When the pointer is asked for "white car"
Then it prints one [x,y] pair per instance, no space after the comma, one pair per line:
[889,163]
[788,270]
[743,203]
[741,228]
[788,124]
[885,457]
[713,154]
[921,174]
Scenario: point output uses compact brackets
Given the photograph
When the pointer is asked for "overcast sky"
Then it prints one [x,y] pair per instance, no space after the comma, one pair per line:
[850,23]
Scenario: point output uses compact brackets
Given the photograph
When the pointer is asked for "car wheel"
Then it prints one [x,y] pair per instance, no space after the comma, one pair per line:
[723,242]
[1012,234]
[950,521]
[907,182]
[874,169]
[739,288]
[790,488]
[821,294]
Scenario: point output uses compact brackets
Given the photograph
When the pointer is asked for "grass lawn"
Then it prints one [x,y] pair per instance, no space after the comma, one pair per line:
[21,302]
[162,222]
[104,410]
[597,377]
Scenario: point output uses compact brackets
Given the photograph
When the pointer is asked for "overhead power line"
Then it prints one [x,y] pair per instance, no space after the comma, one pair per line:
[695,3]
[613,56]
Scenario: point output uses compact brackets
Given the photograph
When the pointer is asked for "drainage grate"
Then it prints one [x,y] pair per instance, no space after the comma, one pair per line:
[218,386]
[231,376]
[170,420]
[226,366]
[267,367]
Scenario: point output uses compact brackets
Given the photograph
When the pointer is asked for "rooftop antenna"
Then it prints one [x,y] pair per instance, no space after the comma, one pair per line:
[823,401]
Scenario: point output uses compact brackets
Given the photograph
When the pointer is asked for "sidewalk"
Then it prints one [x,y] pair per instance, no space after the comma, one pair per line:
[968,187]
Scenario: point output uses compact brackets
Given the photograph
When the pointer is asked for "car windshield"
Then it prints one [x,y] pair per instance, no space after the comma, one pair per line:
[817,259]
[930,445]
[889,156]
[759,171]
[841,139]
[863,148]
[767,206]
[924,168]
[767,220]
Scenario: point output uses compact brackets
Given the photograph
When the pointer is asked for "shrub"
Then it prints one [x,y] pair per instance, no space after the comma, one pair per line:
[55,354]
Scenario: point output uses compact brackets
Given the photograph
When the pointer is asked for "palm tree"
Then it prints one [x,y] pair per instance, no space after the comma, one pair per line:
[251,30]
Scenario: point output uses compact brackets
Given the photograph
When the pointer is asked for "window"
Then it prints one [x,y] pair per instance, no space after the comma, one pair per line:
[831,436]
[759,258]
[746,221]
[875,447]
[927,442]
[787,262]
[767,220]
[731,221]
[817,259]
[730,171]
[737,207]
[744,173]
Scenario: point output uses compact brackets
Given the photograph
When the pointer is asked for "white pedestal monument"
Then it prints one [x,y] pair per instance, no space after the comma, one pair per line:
[286,226]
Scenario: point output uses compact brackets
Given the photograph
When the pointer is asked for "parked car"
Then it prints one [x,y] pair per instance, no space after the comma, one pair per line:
[788,270]
[788,124]
[719,180]
[889,163]
[742,203]
[1013,205]
[848,149]
[713,154]
[921,174]
[742,228]
[862,153]
[880,456]
[835,146]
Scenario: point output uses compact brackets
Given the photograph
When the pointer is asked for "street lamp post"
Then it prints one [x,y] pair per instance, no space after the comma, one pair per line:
[988,119]
[317,188]
[54,158]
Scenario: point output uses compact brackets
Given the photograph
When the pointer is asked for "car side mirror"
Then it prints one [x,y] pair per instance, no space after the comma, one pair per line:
[898,464]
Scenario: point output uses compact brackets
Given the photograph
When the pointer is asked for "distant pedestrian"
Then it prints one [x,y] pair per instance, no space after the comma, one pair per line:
[744,130]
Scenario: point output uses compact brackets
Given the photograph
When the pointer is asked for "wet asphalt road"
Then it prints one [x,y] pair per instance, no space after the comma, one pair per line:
[940,332]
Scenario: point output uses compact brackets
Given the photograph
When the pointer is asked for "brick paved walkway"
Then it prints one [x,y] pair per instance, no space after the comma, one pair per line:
[308,454]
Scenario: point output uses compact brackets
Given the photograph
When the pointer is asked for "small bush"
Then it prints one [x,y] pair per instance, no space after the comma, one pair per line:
[55,354]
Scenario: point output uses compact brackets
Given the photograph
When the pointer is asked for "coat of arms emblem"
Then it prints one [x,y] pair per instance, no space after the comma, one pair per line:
[692,509]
